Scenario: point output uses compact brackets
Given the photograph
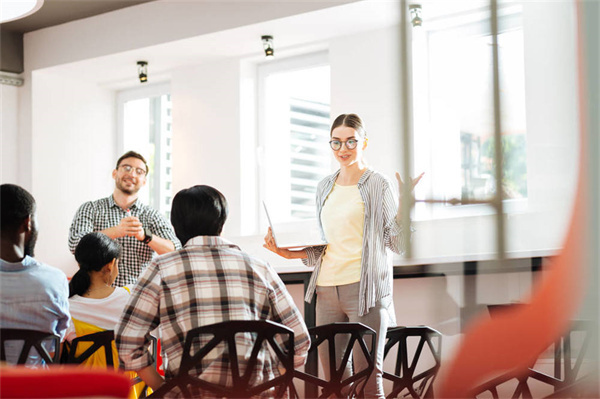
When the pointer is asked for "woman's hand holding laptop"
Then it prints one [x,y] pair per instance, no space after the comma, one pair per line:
[283,252]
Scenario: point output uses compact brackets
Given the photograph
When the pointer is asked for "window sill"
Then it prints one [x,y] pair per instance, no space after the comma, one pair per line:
[427,212]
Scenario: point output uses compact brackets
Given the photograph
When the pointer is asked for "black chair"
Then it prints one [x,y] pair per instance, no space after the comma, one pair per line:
[31,339]
[103,341]
[356,335]
[99,340]
[413,375]
[520,385]
[220,340]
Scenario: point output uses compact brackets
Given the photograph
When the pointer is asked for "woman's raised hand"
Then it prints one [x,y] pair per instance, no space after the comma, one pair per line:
[412,182]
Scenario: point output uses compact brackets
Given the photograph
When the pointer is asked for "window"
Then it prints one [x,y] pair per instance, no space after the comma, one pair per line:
[454,113]
[145,127]
[293,133]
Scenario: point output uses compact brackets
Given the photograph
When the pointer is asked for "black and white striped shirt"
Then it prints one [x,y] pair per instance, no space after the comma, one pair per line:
[135,255]
[381,233]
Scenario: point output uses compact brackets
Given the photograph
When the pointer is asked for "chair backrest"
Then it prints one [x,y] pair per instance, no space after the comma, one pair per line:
[414,375]
[213,349]
[355,336]
[45,344]
[87,350]
[100,340]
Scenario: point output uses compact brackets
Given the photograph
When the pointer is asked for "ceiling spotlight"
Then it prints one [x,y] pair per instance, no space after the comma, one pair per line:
[143,71]
[415,15]
[267,42]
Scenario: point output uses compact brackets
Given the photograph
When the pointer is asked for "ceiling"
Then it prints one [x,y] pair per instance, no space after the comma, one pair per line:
[52,12]
[167,56]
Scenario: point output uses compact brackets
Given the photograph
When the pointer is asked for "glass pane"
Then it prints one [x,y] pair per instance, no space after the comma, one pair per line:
[459,129]
[147,130]
[296,135]
[136,136]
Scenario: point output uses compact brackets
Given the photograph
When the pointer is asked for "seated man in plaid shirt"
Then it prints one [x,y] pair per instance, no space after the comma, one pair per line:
[208,281]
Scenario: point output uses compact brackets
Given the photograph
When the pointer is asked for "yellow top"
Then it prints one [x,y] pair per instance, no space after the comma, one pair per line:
[98,358]
[342,218]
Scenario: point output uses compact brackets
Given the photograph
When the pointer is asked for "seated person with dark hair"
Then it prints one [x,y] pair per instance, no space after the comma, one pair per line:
[176,293]
[33,296]
[94,303]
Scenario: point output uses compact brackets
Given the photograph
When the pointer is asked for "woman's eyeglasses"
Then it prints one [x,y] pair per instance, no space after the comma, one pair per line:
[336,145]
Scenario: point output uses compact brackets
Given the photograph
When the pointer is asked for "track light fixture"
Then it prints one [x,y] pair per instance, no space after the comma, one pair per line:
[142,71]
[267,42]
[415,15]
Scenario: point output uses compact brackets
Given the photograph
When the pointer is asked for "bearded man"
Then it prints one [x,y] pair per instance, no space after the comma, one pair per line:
[33,296]
[141,230]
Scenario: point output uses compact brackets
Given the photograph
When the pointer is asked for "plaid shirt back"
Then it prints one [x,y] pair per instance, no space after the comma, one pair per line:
[209,281]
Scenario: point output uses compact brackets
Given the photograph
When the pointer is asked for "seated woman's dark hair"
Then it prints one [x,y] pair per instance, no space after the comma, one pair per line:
[198,211]
[94,251]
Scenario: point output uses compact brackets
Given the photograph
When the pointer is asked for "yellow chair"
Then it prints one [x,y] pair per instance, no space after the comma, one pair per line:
[95,348]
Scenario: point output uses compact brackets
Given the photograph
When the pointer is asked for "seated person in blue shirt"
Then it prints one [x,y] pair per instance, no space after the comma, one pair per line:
[33,296]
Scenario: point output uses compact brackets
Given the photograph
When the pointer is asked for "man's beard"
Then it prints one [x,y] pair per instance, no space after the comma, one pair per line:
[128,191]
[30,244]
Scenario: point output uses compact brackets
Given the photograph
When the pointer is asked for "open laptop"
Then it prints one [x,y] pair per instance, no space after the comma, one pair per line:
[301,238]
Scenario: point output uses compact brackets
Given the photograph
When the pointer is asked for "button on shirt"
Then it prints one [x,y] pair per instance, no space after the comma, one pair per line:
[209,281]
[33,296]
[135,255]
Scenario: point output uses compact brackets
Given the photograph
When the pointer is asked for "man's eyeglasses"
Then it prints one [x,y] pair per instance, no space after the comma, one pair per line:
[130,169]
[336,145]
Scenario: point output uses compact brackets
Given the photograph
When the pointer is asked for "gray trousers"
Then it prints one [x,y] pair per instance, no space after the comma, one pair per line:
[340,304]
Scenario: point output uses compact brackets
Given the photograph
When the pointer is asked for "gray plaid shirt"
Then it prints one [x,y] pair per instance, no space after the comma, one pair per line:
[135,255]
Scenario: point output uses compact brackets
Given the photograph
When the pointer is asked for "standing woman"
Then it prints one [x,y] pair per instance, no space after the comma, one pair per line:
[360,219]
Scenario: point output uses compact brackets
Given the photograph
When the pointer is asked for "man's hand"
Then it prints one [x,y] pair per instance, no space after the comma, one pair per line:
[132,227]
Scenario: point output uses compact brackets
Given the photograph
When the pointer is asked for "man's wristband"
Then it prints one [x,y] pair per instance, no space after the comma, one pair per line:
[147,236]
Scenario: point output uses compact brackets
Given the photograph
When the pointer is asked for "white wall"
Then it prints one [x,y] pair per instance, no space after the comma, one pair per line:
[206,132]
[9,140]
[73,155]
[365,75]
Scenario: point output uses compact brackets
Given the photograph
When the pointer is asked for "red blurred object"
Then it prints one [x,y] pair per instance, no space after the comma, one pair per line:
[63,382]
[159,361]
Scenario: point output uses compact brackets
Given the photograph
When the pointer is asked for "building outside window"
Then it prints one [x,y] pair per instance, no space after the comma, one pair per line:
[294,97]
[145,126]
